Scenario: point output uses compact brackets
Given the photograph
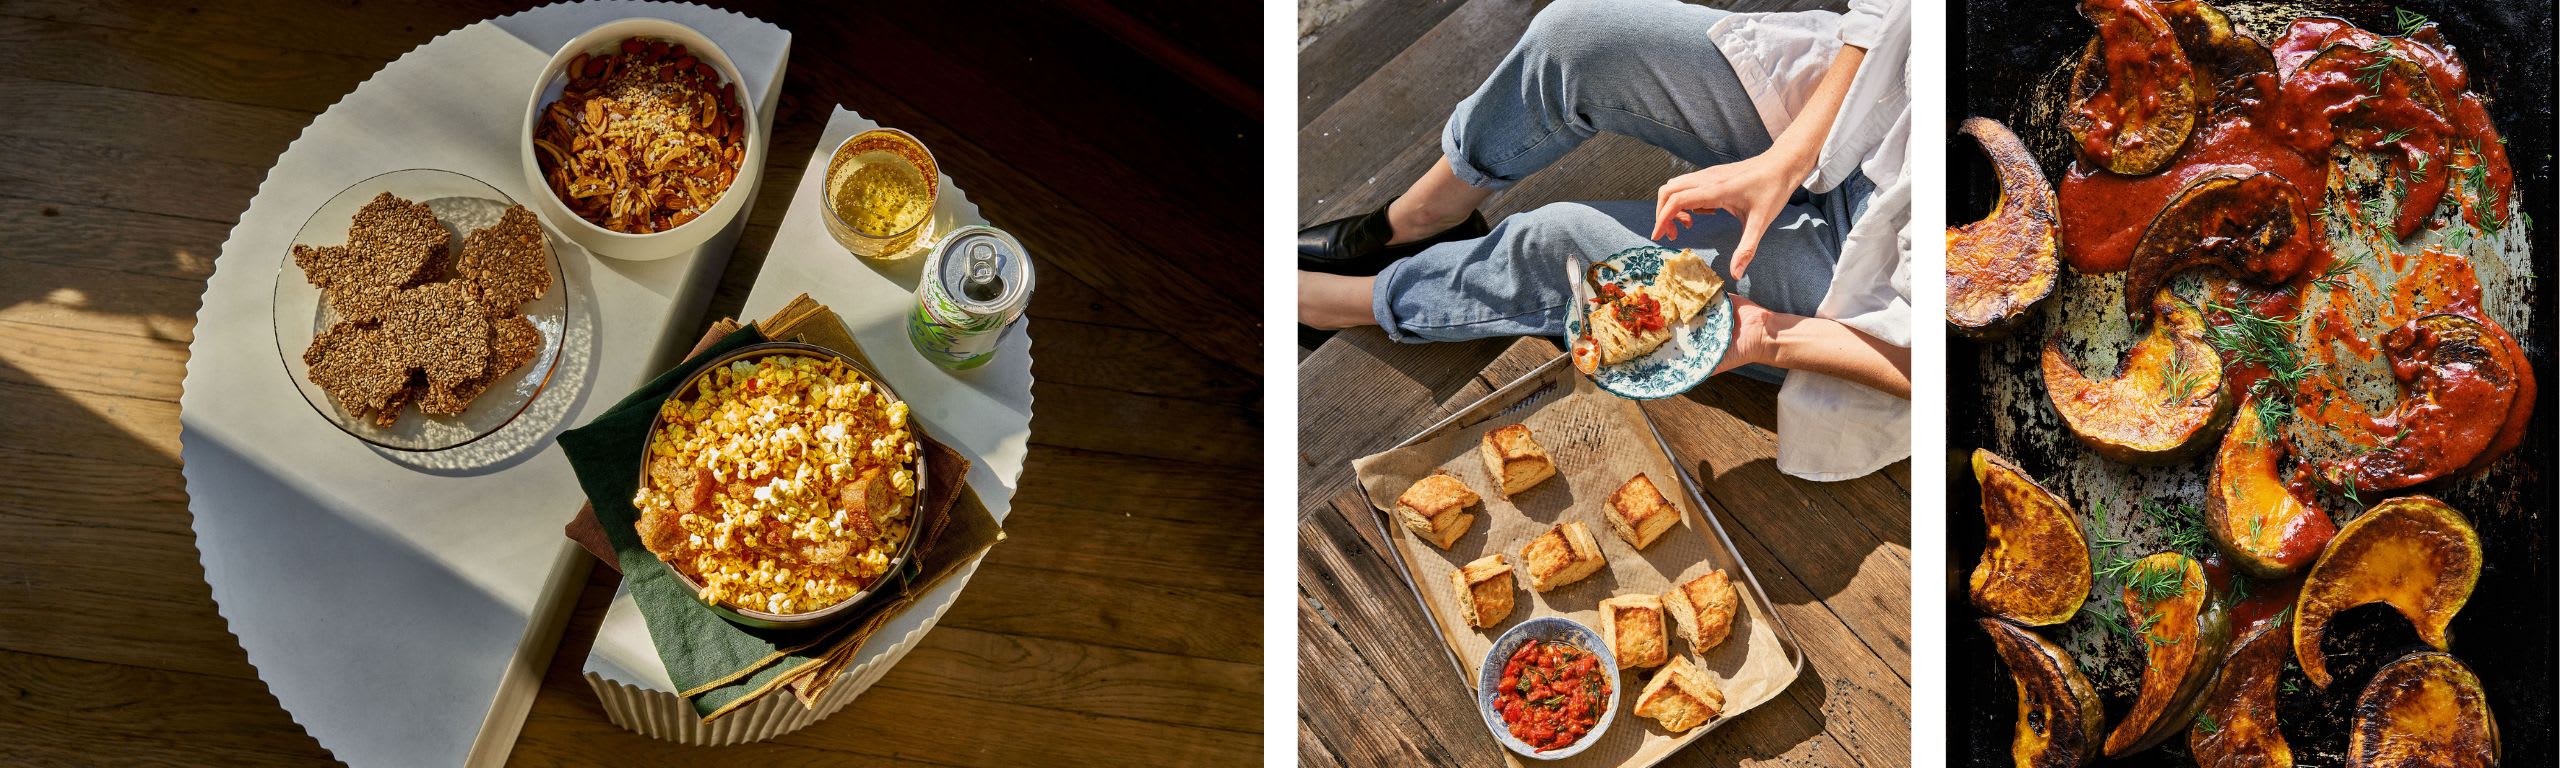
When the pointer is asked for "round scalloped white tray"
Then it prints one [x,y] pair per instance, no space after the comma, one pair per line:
[402,606]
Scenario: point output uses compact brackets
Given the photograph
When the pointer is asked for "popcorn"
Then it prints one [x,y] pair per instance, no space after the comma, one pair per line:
[780,438]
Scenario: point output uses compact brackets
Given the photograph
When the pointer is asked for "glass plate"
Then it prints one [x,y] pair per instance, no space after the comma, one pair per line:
[462,204]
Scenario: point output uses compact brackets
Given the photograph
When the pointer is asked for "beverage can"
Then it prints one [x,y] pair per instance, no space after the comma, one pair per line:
[975,283]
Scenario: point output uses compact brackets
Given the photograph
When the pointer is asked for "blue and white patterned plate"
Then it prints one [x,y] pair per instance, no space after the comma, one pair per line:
[1667,370]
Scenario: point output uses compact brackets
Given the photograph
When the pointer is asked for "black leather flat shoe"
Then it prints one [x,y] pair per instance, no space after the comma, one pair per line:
[1357,245]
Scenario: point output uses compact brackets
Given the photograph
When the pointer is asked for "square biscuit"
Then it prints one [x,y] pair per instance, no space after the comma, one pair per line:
[1632,626]
[1484,590]
[1563,555]
[1447,529]
[1680,697]
[1435,504]
[1702,609]
[1514,460]
[1639,513]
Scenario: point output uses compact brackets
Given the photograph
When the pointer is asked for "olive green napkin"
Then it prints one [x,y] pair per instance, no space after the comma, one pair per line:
[717,664]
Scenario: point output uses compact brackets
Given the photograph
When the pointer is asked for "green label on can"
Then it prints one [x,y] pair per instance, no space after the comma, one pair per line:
[948,335]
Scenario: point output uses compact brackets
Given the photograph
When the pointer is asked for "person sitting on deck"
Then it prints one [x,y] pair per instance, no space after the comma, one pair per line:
[1800,122]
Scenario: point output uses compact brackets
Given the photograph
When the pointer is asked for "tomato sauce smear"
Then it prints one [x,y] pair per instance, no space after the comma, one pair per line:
[1551,694]
[2334,85]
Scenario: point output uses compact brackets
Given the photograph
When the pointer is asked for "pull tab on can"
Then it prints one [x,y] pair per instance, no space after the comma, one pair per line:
[984,283]
[975,283]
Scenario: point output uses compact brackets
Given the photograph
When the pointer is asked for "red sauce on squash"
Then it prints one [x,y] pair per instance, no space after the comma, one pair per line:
[2136,47]
[2334,84]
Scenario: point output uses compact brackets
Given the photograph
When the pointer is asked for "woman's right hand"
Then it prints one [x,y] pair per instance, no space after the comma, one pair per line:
[1753,190]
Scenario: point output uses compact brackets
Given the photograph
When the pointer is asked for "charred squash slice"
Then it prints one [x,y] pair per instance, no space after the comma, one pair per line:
[2135,96]
[2035,564]
[2167,402]
[2187,630]
[2229,219]
[2425,710]
[2000,268]
[2266,530]
[2413,553]
[2236,727]
[2226,59]
[2059,716]
[2459,379]
[2519,412]
[2355,64]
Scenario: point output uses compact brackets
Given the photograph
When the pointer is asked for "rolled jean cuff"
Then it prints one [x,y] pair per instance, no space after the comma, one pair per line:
[1465,169]
[1454,322]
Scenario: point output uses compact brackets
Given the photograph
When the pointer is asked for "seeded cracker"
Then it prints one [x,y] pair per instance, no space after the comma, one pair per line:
[358,366]
[514,342]
[391,244]
[441,330]
[415,325]
[506,262]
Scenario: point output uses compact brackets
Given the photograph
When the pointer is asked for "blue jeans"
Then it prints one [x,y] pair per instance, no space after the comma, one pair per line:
[1645,70]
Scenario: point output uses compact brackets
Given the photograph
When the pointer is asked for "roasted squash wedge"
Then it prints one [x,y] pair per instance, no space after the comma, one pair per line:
[2035,561]
[2239,221]
[2135,96]
[2459,378]
[2424,711]
[2166,404]
[2413,553]
[2266,530]
[2000,268]
[2519,411]
[2059,715]
[2225,58]
[2236,726]
[2184,630]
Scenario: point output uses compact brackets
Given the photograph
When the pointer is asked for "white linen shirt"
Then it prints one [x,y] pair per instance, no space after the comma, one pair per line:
[1828,428]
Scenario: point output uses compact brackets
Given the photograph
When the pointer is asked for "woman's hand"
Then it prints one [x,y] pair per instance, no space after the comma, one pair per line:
[1751,340]
[1753,190]
[1828,347]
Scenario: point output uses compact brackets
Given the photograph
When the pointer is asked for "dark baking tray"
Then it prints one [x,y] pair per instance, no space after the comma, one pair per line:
[1998,54]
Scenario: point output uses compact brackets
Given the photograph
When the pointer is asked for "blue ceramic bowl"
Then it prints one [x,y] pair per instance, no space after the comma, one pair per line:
[1547,629]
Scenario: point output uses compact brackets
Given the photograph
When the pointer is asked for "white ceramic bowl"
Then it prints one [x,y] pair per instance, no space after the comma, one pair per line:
[604,40]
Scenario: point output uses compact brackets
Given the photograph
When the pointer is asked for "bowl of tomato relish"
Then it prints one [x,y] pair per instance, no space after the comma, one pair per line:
[1548,688]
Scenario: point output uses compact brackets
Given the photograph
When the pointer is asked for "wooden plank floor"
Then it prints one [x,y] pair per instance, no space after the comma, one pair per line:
[1120,620]
[1375,87]
[1374,688]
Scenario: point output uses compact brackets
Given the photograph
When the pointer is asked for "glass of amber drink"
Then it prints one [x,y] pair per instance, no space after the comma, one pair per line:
[879,194]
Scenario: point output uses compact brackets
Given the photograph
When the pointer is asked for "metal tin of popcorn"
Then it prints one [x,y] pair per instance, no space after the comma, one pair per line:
[976,282]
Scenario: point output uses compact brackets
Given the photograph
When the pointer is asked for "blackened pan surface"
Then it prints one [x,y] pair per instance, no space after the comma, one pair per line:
[2006,61]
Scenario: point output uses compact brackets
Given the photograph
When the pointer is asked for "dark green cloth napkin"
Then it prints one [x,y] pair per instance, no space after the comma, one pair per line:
[713,662]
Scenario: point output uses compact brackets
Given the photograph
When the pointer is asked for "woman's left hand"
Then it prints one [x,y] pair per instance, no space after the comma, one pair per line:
[1753,190]
[1751,339]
